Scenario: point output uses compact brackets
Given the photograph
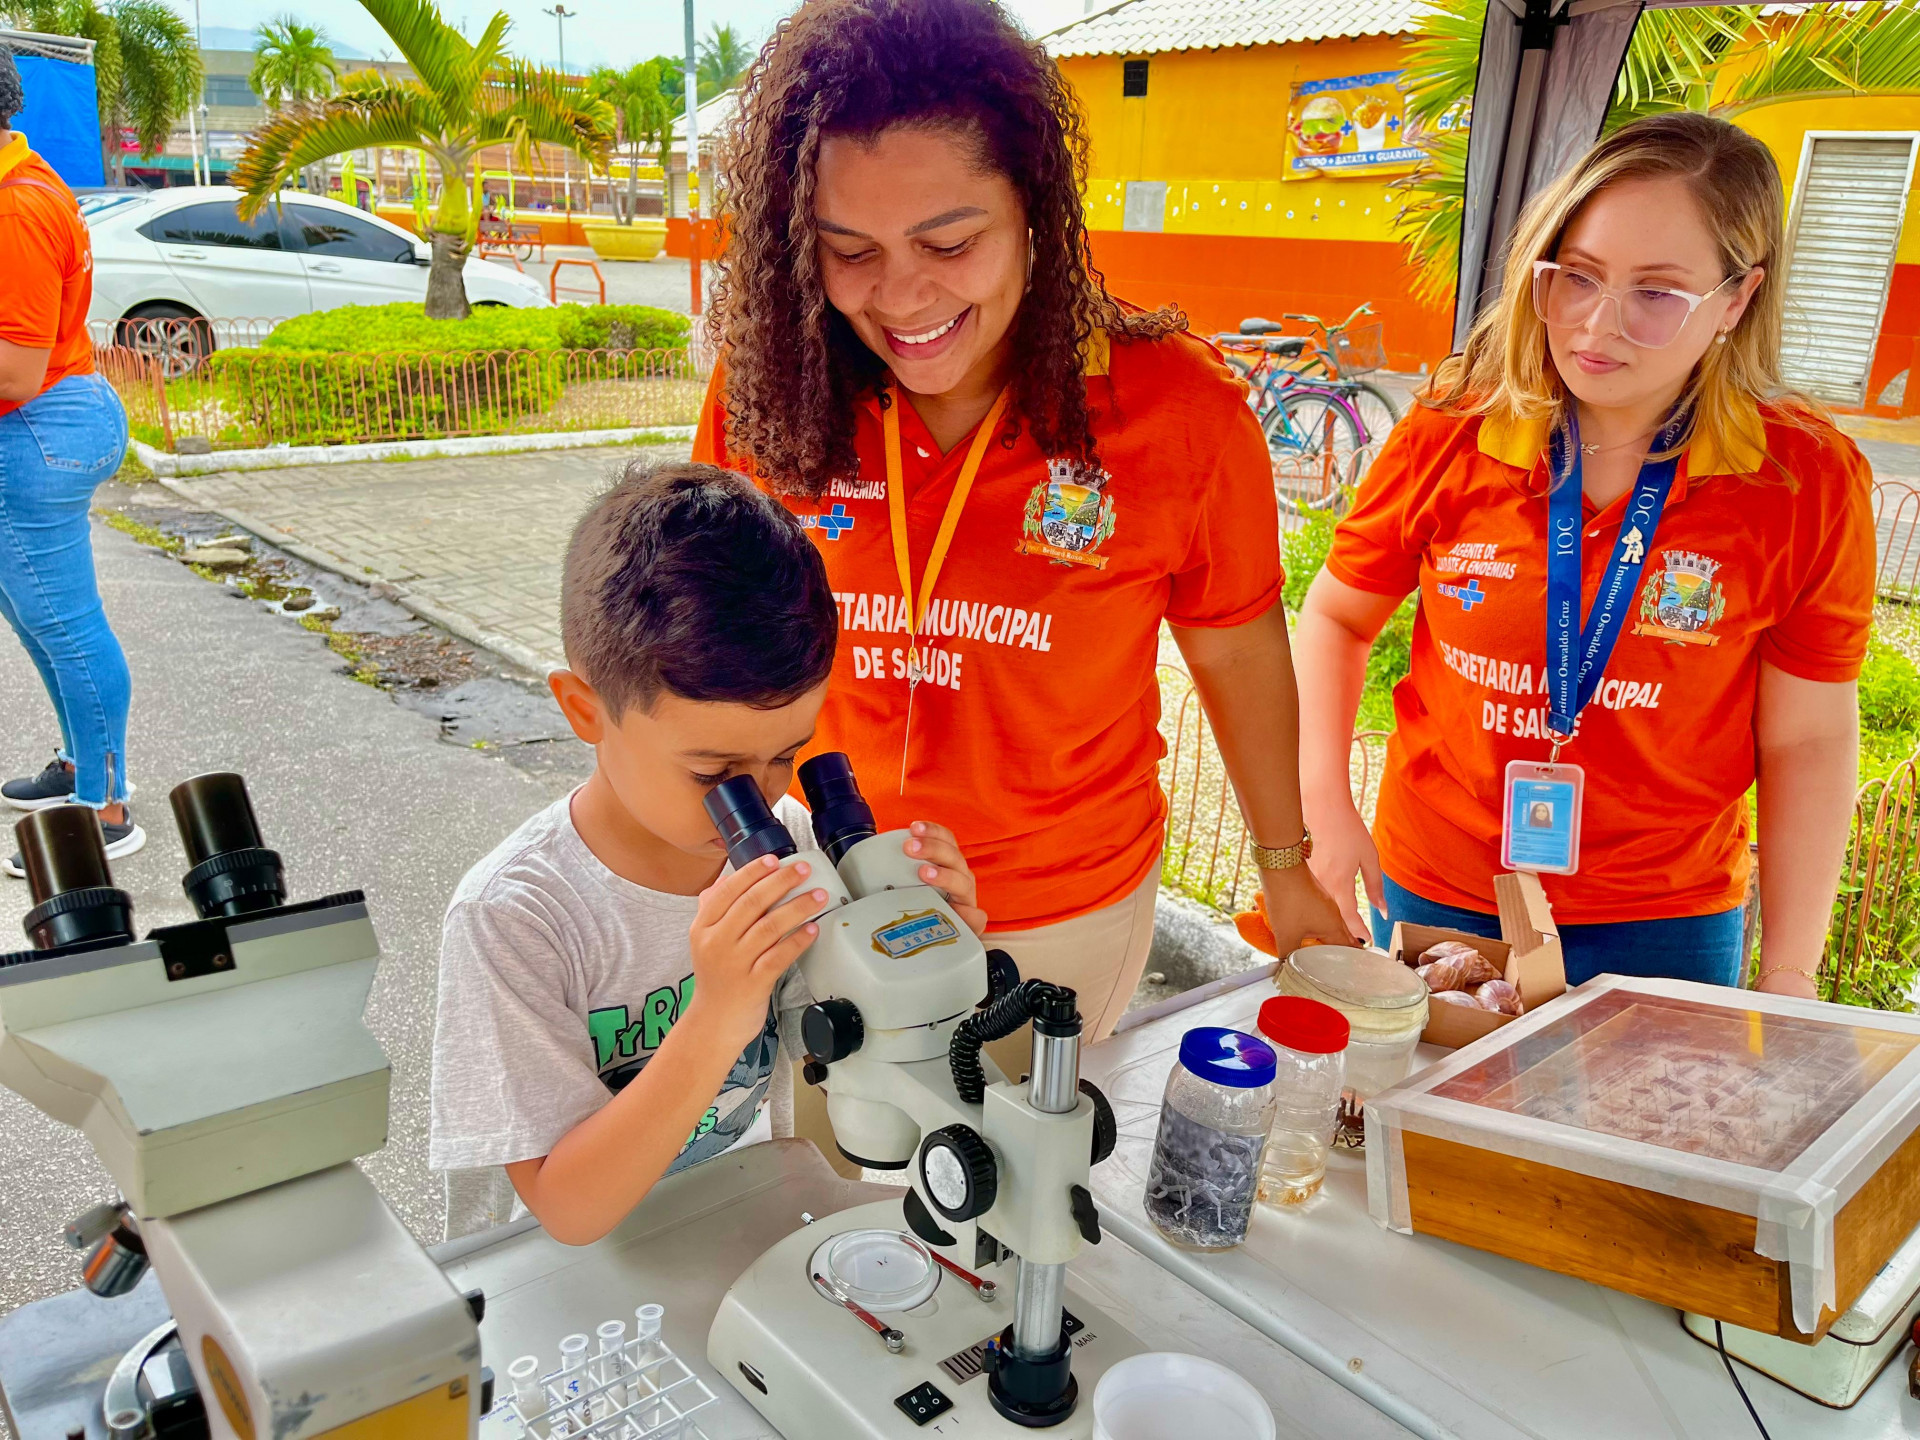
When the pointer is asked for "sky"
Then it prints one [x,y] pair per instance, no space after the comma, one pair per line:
[616,32]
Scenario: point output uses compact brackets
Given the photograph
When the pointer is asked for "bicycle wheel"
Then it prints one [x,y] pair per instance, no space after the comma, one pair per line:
[1378,411]
[1311,439]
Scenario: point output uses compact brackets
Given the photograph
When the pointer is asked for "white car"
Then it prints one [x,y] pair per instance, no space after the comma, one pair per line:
[185,255]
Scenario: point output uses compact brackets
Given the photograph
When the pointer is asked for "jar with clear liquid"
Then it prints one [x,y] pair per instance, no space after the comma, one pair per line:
[1309,1042]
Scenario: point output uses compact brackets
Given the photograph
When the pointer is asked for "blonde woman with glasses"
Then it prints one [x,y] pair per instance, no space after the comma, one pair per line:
[1645,572]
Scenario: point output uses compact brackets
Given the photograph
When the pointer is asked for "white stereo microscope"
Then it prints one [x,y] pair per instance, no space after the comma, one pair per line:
[905,996]
[223,1073]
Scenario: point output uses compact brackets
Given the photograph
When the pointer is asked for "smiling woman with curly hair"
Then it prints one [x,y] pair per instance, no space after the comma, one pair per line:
[1014,477]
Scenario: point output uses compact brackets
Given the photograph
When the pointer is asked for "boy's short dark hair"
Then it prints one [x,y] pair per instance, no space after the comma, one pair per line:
[685,578]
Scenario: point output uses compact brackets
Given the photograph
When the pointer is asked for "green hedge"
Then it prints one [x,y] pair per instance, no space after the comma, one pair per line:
[405,328]
[383,372]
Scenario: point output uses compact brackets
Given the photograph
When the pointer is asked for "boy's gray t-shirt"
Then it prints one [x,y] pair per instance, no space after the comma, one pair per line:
[558,981]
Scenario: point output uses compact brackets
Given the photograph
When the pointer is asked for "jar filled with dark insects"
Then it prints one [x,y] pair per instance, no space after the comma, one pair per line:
[1213,1134]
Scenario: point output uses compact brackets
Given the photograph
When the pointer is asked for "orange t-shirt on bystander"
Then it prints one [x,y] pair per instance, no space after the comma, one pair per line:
[1035,736]
[46,283]
[1756,558]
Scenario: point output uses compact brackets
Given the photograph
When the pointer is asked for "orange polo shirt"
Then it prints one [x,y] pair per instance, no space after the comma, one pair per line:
[1745,566]
[46,284]
[1036,738]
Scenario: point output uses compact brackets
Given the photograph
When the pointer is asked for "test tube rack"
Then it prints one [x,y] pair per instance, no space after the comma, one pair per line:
[642,1391]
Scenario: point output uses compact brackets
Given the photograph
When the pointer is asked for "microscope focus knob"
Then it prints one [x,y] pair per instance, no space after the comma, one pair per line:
[959,1173]
[832,1029]
[1106,1132]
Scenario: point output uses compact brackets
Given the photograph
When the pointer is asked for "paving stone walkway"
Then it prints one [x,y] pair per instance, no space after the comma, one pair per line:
[473,543]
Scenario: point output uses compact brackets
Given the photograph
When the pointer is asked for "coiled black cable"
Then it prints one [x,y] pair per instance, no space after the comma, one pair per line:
[1030,999]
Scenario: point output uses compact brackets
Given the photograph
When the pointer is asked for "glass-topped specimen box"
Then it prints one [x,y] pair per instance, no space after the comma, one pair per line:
[1749,1157]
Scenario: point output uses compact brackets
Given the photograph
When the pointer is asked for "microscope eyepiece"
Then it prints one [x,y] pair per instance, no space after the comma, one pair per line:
[73,893]
[746,823]
[233,873]
[841,816]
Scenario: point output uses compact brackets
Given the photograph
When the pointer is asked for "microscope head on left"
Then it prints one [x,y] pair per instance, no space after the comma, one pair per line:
[224,1075]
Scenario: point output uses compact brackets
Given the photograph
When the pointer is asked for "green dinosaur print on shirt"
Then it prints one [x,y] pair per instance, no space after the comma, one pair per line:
[617,1037]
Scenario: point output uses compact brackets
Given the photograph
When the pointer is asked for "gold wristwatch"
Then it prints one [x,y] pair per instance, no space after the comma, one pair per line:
[1284,857]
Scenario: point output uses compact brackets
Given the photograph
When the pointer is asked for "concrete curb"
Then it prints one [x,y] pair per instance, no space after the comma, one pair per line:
[510,650]
[165,465]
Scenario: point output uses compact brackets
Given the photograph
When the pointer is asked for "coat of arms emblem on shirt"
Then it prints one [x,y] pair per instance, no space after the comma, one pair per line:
[1682,603]
[1069,515]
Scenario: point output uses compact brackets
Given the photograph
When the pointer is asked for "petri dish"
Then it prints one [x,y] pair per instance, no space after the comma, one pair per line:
[877,1270]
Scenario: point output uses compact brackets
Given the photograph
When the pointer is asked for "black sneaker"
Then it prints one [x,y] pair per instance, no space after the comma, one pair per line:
[122,840]
[52,786]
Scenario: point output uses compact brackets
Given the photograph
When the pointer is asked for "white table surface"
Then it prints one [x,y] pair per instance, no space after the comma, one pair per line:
[1448,1340]
[694,1235]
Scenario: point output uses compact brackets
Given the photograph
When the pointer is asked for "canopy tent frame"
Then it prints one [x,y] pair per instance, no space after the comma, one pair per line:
[1547,74]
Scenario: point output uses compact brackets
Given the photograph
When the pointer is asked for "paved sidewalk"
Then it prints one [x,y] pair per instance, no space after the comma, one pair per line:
[472,543]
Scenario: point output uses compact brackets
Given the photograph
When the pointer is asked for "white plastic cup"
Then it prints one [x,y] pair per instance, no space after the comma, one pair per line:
[1168,1396]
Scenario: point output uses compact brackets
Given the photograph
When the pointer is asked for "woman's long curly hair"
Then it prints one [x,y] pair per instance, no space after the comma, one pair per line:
[795,367]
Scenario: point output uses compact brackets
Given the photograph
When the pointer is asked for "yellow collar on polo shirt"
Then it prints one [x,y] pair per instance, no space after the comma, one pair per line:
[12,154]
[1521,443]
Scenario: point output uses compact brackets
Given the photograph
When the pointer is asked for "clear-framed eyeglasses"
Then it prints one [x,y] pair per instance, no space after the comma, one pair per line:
[1650,316]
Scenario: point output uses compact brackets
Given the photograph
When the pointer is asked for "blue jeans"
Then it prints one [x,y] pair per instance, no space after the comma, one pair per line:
[54,451]
[1693,947]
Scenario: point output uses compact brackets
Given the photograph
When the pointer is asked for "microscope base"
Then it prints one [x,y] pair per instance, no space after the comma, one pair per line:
[815,1372]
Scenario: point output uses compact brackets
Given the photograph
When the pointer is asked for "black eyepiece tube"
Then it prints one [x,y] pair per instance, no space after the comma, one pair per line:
[841,816]
[233,872]
[745,822]
[74,898]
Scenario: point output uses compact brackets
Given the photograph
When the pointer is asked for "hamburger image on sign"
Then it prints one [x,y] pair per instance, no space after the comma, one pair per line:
[1318,129]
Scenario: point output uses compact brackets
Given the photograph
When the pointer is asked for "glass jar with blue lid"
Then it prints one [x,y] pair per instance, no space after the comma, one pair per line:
[1214,1121]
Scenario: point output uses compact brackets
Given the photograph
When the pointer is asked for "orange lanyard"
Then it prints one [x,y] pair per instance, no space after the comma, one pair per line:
[949,522]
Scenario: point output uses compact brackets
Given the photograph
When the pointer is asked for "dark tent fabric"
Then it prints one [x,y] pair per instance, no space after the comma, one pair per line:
[62,118]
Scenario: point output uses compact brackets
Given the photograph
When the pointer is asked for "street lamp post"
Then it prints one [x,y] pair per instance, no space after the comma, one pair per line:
[561,15]
[691,78]
[193,137]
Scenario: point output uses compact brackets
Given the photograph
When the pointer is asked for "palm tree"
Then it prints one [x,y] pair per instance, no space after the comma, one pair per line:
[1723,60]
[463,96]
[145,62]
[292,63]
[644,111]
[723,59]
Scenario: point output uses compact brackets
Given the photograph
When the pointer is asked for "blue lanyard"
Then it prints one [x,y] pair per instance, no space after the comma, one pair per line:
[1573,677]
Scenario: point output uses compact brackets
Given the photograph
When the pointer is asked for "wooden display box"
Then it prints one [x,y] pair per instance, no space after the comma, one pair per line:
[1528,954]
[1751,1158]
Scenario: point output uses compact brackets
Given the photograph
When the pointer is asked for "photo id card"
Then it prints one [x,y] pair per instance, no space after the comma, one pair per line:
[1540,825]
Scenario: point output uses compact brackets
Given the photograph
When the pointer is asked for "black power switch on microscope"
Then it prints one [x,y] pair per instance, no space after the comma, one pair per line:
[923,1403]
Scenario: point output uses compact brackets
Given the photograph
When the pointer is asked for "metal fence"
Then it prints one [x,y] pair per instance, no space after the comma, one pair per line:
[1315,485]
[1896,523]
[1873,950]
[197,385]
[1206,854]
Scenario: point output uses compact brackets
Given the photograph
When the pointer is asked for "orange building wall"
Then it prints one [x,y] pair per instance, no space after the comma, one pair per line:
[1239,240]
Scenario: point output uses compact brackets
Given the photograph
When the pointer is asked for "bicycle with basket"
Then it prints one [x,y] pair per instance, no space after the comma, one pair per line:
[1316,411]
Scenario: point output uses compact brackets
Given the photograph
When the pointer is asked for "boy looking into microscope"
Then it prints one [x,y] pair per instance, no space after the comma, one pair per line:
[612,995]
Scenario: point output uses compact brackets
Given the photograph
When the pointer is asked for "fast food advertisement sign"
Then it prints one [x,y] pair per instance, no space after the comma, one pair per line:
[1353,125]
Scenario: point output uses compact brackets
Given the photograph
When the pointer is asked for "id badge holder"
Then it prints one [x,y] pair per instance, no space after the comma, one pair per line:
[1540,820]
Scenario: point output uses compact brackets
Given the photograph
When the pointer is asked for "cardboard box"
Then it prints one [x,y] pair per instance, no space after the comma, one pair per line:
[1528,954]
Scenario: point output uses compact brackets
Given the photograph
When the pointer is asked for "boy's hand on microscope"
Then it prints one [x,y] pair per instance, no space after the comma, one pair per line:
[945,868]
[744,938]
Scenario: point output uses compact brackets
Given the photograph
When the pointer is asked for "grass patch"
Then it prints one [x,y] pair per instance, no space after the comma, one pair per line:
[146,534]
